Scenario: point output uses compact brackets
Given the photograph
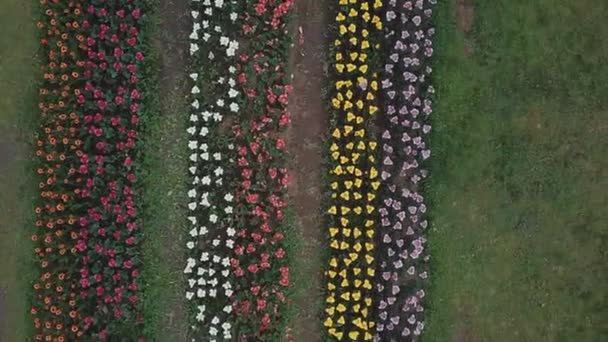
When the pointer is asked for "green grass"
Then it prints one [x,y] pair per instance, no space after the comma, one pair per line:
[518,192]
[17,110]
[164,216]
[164,179]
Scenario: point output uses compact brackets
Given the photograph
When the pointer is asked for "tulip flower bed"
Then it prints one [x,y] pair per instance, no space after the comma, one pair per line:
[214,105]
[407,105]
[377,264]
[354,178]
[87,228]
[237,268]
[56,300]
[259,262]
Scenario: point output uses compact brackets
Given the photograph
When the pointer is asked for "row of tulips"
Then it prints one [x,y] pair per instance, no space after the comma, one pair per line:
[406,107]
[354,178]
[87,228]
[378,262]
[215,104]
[260,263]
[237,269]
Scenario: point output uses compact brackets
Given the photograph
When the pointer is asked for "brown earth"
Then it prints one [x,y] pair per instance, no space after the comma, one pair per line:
[306,136]
[464,332]
[173,44]
[174,27]
[2,314]
[465,16]
[7,154]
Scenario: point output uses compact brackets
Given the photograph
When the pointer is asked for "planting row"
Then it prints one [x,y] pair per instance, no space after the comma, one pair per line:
[406,107]
[354,180]
[378,263]
[237,269]
[87,229]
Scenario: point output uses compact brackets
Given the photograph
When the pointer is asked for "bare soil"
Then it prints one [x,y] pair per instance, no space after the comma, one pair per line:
[464,333]
[174,26]
[306,136]
[2,314]
[7,154]
[465,17]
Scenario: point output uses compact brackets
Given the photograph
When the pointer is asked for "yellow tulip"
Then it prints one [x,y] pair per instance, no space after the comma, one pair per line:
[375,185]
[336,103]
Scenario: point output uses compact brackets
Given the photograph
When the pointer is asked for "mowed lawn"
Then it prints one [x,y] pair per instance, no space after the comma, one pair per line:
[519,187]
[17,109]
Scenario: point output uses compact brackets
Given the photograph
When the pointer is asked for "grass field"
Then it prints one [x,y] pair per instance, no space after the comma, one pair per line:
[17,49]
[519,176]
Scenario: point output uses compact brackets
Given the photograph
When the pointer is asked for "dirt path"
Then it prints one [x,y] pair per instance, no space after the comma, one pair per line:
[309,120]
[174,26]
[465,16]
[2,314]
